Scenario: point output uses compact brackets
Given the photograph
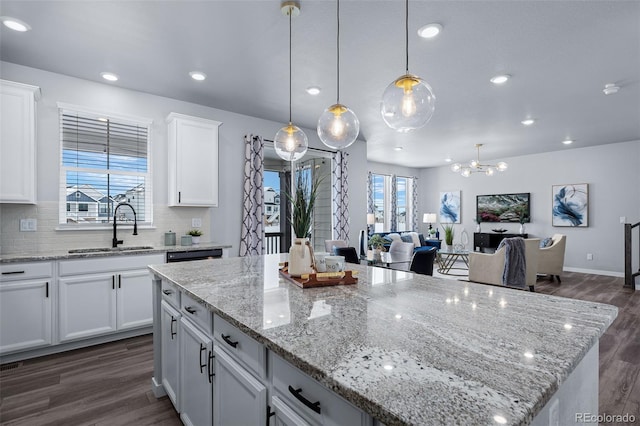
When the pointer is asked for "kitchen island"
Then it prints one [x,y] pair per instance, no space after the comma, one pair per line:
[403,348]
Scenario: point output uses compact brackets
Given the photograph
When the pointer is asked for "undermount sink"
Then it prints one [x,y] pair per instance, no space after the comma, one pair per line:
[108,249]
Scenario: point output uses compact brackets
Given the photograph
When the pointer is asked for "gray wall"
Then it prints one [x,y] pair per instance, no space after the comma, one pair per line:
[226,219]
[612,172]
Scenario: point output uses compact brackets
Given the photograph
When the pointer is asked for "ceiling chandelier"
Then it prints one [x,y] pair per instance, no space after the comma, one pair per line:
[408,102]
[338,126]
[290,142]
[476,166]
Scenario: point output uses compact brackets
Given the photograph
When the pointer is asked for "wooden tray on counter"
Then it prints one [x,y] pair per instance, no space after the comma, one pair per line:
[320,279]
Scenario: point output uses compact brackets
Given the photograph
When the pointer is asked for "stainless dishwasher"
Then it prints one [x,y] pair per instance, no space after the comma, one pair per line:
[198,254]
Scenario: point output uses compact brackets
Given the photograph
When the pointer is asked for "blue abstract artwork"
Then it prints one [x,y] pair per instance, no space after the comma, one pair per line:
[450,207]
[570,205]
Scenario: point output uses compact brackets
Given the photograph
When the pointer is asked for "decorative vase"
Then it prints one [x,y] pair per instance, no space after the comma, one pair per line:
[478,228]
[300,257]
[522,228]
[195,239]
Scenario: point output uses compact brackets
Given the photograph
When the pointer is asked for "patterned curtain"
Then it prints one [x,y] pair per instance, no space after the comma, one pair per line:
[370,206]
[414,204]
[341,196]
[394,204]
[252,232]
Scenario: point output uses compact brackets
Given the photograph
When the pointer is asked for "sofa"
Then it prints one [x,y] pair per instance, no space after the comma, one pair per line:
[420,244]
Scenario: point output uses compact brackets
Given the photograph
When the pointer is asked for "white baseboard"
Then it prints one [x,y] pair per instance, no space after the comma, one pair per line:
[595,272]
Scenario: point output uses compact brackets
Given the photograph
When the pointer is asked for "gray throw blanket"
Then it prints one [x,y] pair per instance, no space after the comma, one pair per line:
[515,265]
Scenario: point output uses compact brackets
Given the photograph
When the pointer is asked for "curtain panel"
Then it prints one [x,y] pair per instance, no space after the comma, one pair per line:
[393,220]
[414,204]
[341,196]
[252,230]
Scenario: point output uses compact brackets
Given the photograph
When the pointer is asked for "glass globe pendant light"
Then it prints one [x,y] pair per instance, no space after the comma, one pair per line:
[408,102]
[338,126]
[290,142]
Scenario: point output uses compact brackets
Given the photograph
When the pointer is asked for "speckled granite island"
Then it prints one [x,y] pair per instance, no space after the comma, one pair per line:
[404,348]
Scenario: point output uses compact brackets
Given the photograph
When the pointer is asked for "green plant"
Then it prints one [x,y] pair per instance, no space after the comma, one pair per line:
[523,218]
[448,233]
[195,232]
[376,242]
[303,200]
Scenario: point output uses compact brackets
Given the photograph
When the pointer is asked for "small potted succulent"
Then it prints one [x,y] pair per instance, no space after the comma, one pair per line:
[195,235]
[376,246]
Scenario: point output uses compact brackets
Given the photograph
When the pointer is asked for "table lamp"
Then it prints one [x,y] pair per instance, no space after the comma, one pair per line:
[371,220]
[430,218]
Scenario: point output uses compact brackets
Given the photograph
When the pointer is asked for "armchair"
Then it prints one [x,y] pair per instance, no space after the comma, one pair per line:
[488,268]
[551,259]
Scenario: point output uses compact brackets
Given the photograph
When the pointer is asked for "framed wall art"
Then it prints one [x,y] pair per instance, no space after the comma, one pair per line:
[450,207]
[504,207]
[570,205]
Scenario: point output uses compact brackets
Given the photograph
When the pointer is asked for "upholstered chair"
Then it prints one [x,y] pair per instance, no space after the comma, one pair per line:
[551,258]
[330,244]
[350,254]
[487,268]
[422,261]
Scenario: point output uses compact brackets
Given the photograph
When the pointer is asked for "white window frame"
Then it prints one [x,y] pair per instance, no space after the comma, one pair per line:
[148,175]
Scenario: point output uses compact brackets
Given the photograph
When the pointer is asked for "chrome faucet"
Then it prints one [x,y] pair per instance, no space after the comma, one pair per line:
[115,240]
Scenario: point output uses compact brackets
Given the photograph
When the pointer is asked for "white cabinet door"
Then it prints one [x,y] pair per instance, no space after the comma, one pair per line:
[285,415]
[87,306]
[135,308]
[193,161]
[196,375]
[240,399]
[170,326]
[25,315]
[17,143]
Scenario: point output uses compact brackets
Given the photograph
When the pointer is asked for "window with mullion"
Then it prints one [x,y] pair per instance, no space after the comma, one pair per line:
[104,161]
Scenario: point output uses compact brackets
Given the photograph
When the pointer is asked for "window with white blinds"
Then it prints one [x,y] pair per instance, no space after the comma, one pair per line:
[104,162]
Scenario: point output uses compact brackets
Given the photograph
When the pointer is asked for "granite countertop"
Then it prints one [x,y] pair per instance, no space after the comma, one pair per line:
[408,349]
[80,253]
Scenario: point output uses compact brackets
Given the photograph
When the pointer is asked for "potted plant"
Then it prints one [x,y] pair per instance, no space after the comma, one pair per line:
[195,235]
[376,246]
[478,221]
[303,199]
[448,234]
[522,219]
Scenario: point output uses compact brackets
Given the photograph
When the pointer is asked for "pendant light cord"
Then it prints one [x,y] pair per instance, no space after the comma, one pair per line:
[290,13]
[406,33]
[338,53]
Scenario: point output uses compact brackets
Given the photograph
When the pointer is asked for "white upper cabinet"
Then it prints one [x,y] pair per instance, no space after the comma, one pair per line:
[18,142]
[193,161]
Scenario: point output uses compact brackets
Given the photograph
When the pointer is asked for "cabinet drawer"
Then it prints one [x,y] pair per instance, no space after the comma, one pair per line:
[108,264]
[170,294]
[309,398]
[196,313]
[26,271]
[243,347]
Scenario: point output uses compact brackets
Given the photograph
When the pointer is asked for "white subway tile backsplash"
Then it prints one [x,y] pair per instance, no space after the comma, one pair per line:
[177,219]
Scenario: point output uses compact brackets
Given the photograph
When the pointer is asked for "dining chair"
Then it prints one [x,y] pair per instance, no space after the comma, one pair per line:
[350,254]
[422,261]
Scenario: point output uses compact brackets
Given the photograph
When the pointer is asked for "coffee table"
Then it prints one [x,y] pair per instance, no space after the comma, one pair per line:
[446,258]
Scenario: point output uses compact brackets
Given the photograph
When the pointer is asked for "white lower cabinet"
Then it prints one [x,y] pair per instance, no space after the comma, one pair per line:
[104,295]
[25,307]
[196,375]
[240,399]
[283,415]
[170,326]
[308,399]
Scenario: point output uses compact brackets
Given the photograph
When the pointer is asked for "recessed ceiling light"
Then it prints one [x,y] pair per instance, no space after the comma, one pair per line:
[198,75]
[430,30]
[313,90]
[610,89]
[500,79]
[398,148]
[528,121]
[567,141]
[448,160]
[109,76]
[15,24]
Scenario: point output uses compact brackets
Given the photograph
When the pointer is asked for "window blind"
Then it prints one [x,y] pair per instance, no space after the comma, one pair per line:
[104,162]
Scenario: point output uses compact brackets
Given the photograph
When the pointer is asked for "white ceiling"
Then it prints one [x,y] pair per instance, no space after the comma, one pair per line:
[560,53]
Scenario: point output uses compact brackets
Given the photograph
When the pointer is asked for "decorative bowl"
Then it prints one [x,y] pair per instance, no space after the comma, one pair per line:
[499,231]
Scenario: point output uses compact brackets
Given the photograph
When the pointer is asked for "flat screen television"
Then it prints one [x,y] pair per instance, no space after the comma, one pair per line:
[504,207]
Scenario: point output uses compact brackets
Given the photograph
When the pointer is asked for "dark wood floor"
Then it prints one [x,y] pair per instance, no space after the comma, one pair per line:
[110,384]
